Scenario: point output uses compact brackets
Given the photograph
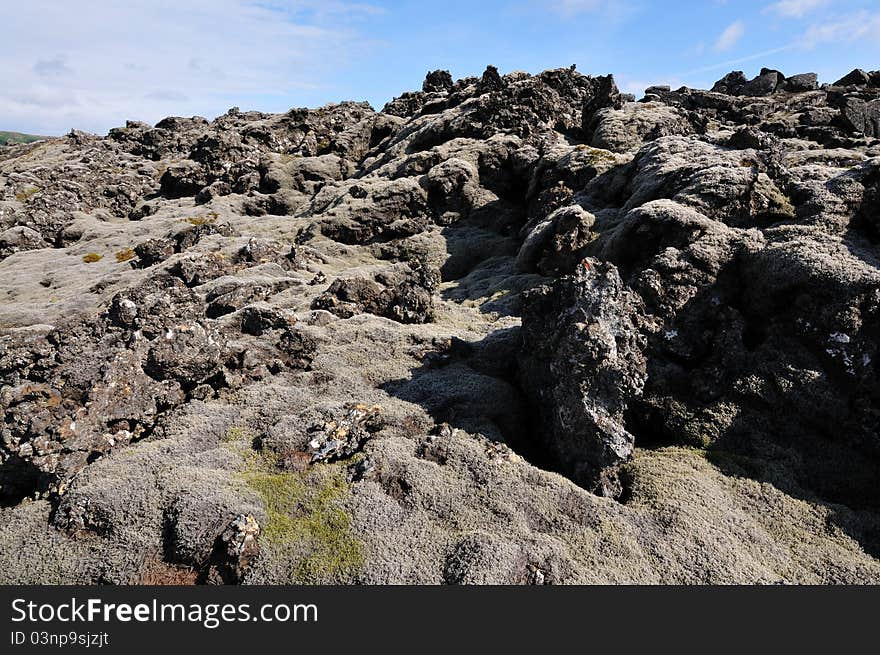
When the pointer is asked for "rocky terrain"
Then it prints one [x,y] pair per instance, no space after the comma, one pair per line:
[509,329]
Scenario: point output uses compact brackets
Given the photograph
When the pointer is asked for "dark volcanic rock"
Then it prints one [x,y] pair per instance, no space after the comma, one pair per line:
[154,251]
[582,363]
[858,77]
[404,293]
[557,245]
[189,355]
[764,84]
[438,80]
[731,83]
[802,82]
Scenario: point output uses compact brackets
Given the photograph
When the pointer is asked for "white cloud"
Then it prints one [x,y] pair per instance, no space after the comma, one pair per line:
[95,64]
[730,36]
[860,26]
[739,60]
[794,8]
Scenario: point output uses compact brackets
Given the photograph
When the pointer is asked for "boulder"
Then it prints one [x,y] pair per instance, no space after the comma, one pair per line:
[762,85]
[857,77]
[802,82]
[731,84]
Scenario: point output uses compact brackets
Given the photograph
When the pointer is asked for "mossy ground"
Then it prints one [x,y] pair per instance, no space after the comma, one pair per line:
[304,514]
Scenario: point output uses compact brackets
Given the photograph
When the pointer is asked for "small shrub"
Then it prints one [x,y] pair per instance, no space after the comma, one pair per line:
[92,257]
[204,219]
[124,255]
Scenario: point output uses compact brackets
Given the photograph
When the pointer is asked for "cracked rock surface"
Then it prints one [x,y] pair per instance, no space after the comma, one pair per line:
[510,329]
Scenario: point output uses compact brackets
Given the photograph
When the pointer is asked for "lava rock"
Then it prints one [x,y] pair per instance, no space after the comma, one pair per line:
[403,293]
[188,354]
[857,77]
[235,551]
[153,251]
[802,82]
[731,84]
[581,363]
[435,81]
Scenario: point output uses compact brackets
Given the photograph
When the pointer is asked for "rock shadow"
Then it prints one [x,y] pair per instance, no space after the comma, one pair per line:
[472,386]
[20,479]
[482,265]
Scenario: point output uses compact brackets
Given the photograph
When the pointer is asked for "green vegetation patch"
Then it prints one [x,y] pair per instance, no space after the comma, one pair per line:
[236,434]
[18,137]
[304,514]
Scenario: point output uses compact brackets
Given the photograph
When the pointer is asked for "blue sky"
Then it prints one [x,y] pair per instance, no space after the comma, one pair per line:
[92,64]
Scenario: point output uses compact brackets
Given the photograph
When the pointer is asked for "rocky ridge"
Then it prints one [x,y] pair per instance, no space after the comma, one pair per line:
[509,329]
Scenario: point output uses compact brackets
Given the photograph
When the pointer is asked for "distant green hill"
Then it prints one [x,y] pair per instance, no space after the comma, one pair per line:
[18,137]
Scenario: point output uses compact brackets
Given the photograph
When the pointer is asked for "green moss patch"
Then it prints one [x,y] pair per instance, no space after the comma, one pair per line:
[598,156]
[304,515]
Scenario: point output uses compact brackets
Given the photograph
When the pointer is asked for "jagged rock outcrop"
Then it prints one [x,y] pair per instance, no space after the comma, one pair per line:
[582,362]
[347,345]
